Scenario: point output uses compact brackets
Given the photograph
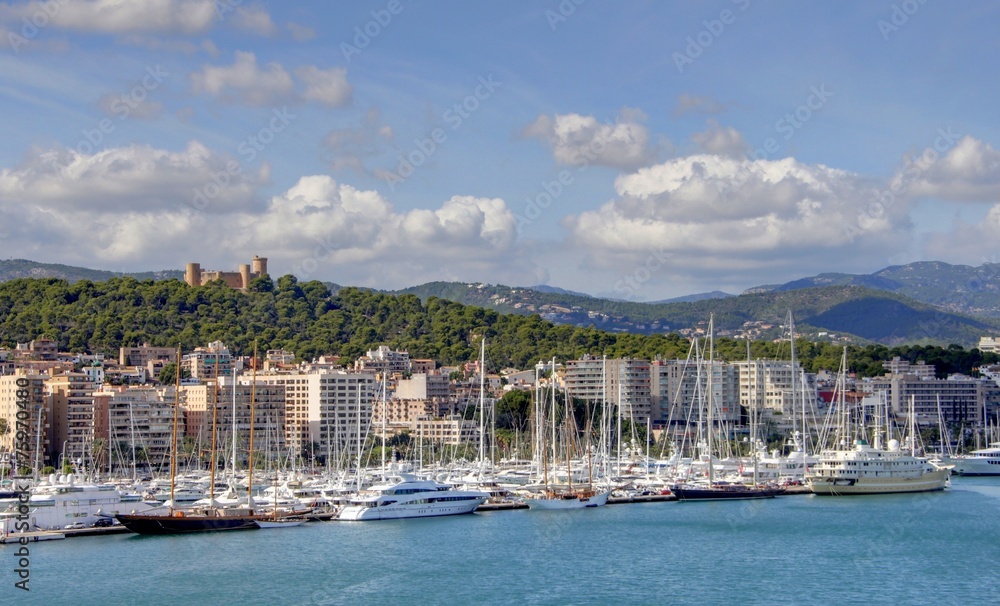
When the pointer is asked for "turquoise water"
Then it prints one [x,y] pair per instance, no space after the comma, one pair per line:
[938,548]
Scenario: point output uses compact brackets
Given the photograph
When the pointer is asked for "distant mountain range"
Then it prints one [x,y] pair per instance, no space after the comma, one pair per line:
[11,269]
[927,303]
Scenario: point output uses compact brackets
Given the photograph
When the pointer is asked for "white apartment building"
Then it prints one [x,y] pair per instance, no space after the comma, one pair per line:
[325,407]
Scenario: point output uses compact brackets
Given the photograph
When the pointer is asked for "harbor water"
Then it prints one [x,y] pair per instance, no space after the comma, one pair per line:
[902,549]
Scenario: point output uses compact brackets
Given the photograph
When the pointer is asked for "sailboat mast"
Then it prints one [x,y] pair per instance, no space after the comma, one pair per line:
[753,419]
[791,339]
[215,406]
[253,404]
[711,403]
[482,406]
[173,443]
[383,423]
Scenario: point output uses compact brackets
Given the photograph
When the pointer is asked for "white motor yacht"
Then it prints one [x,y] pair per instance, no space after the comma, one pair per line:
[406,496]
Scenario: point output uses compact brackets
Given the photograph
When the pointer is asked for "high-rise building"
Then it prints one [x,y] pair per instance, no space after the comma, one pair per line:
[327,409]
[72,404]
[25,394]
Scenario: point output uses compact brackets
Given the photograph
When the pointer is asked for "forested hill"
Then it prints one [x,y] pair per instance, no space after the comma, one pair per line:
[11,269]
[870,315]
[91,317]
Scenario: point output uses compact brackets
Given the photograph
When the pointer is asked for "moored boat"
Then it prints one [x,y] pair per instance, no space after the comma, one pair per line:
[409,497]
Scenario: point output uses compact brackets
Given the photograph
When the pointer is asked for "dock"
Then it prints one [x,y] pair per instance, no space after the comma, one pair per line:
[32,537]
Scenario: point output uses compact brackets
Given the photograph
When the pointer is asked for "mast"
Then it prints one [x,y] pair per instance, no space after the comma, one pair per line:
[215,406]
[618,409]
[173,443]
[383,423]
[253,404]
[359,438]
[753,419]
[711,402]
[233,471]
[791,339]
[482,406]
[569,441]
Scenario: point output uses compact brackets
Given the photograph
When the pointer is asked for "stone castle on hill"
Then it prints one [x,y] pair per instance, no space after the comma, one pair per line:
[194,275]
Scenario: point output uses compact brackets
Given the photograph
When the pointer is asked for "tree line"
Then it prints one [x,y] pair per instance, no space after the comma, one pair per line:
[309,320]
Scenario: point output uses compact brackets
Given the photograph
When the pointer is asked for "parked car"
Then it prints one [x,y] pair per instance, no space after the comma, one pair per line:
[74,525]
[104,522]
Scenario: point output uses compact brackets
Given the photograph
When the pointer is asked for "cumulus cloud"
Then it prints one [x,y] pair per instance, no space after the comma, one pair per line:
[246,82]
[361,226]
[969,171]
[713,213]
[119,16]
[134,207]
[125,179]
[720,140]
[692,104]
[328,87]
[578,140]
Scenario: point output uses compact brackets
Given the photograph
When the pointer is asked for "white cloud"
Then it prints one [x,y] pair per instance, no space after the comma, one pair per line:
[712,215]
[137,178]
[578,140]
[245,81]
[328,87]
[721,140]
[119,16]
[969,171]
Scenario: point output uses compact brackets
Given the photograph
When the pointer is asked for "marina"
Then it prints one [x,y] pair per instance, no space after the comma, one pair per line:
[649,553]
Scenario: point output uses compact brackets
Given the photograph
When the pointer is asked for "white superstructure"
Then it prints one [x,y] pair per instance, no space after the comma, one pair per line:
[60,503]
[408,497]
[984,462]
[868,470]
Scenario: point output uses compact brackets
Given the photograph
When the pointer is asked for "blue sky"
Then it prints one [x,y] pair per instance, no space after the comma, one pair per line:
[638,150]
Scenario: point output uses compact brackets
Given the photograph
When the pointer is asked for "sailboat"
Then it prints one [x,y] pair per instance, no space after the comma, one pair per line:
[571,498]
[175,521]
[718,491]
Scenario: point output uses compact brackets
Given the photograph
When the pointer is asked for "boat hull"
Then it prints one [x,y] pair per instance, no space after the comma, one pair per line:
[928,482]
[597,500]
[358,513]
[723,494]
[152,524]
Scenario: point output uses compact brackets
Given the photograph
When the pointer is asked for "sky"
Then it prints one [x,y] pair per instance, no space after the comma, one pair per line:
[634,150]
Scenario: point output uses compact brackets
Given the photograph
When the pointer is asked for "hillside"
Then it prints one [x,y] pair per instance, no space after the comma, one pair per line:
[864,313]
[309,320]
[958,288]
[11,269]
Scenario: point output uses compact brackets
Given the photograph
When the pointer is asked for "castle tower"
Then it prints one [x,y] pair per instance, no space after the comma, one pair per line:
[193,274]
[245,276]
[259,266]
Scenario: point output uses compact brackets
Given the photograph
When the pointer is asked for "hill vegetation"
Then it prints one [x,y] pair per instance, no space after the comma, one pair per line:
[306,318]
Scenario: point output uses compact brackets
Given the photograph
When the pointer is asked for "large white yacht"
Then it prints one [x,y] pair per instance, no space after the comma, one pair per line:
[406,496]
[62,502]
[983,462]
[873,470]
